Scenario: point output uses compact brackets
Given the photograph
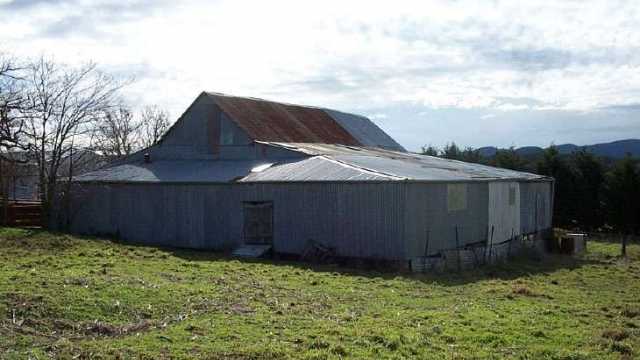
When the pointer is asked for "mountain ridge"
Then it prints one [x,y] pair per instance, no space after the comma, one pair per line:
[614,149]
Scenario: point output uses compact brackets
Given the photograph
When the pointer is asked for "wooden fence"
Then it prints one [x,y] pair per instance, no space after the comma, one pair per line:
[21,213]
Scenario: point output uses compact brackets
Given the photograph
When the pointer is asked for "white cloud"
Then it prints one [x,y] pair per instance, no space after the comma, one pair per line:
[356,55]
[377,116]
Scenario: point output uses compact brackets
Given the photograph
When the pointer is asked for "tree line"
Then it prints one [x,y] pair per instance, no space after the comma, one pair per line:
[51,112]
[592,193]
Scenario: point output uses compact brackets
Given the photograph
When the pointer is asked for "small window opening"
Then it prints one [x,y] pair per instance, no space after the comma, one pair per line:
[456,197]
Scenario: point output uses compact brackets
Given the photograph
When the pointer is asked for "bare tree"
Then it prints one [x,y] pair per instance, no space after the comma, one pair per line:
[117,133]
[62,103]
[12,101]
[154,123]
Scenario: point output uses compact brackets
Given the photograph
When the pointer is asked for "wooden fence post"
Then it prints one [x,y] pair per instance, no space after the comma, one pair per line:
[458,248]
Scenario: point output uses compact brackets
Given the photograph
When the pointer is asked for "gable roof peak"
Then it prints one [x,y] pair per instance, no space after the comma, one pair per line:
[267,120]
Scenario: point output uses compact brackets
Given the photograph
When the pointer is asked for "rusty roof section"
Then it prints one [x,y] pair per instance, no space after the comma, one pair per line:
[271,121]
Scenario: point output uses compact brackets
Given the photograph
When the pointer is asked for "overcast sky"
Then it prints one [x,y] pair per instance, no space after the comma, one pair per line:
[428,72]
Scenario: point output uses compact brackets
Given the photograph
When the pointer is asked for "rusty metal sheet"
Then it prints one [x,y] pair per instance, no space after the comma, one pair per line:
[270,121]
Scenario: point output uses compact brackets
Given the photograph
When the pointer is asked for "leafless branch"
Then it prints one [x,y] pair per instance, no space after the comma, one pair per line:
[154,124]
[62,103]
[12,102]
[116,132]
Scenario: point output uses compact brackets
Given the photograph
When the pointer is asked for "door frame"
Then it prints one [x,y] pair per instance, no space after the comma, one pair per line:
[245,238]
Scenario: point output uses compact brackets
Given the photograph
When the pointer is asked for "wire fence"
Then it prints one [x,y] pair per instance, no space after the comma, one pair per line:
[483,252]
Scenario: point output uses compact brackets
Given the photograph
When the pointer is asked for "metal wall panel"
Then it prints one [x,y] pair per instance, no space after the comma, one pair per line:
[535,206]
[373,220]
[198,127]
[230,133]
[257,151]
[204,129]
[504,213]
[428,219]
[358,220]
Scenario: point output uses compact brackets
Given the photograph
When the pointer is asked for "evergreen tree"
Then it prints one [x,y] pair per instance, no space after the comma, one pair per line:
[589,181]
[622,194]
[509,159]
[451,151]
[430,150]
[564,204]
[472,155]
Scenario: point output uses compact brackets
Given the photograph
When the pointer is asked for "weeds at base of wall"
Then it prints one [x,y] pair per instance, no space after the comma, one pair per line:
[532,246]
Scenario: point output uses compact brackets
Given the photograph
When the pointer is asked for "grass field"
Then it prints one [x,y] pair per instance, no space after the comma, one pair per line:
[68,297]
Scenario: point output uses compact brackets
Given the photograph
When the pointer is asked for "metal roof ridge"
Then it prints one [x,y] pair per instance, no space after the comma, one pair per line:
[367,150]
[322,108]
[289,146]
[361,168]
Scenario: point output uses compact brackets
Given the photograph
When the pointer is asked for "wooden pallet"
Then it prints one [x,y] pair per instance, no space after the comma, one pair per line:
[23,214]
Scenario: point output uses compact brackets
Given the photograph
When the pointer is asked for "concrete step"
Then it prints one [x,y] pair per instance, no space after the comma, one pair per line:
[251,251]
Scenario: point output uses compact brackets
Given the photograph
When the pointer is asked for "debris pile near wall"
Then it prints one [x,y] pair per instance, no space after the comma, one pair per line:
[28,214]
[483,253]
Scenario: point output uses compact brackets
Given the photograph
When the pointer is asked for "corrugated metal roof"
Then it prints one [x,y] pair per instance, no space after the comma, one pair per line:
[212,171]
[408,166]
[364,130]
[325,163]
[430,169]
[317,168]
[270,121]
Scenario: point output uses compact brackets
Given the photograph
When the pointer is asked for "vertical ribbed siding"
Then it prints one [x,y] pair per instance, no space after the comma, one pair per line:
[427,217]
[376,220]
[199,128]
[504,216]
[535,206]
[358,220]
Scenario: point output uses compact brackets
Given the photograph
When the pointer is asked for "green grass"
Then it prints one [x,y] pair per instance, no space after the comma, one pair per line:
[70,297]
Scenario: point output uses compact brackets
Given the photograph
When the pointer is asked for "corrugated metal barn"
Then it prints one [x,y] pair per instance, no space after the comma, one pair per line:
[235,171]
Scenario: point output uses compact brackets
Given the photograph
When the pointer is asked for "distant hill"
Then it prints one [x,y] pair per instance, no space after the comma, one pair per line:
[615,149]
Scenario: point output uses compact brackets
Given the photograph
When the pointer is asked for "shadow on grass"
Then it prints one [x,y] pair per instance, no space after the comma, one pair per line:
[512,269]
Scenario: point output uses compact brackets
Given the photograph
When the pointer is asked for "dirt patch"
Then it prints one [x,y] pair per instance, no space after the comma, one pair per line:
[523,290]
[77,281]
[240,309]
[106,329]
[23,306]
[622,348]
[615,334]
[33,315]
[630,312]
